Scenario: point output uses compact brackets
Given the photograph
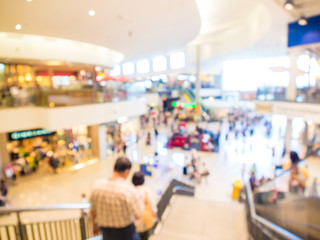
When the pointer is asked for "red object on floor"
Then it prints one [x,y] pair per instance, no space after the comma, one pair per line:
[178,141]
[205,143]
[182,124]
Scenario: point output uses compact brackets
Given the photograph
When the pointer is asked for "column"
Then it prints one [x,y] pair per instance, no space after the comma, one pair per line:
[305,133]
[288,134]
[94,83]
[4,155]
[102,138]
[198,83]
[198,109]
[291,92]
[50,73]
[99,141]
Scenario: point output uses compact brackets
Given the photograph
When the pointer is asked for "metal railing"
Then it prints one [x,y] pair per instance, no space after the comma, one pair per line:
[260,228]
[175,187]
[73,228]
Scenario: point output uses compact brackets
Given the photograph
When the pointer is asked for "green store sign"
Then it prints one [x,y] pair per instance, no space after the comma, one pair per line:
[184,105]
[29,134]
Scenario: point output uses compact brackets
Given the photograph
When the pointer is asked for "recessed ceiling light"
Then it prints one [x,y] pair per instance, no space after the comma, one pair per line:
[92,13]
[289,5]
[302,21]
[29,0]
[18,27]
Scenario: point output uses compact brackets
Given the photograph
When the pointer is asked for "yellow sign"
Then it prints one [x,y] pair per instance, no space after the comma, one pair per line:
[263,107]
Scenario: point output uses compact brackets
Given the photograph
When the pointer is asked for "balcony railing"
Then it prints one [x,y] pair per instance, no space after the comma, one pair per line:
[305,95]
[56,98]
[75,228]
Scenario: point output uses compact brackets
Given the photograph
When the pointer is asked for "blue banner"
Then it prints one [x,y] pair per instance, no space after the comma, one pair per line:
[301,35]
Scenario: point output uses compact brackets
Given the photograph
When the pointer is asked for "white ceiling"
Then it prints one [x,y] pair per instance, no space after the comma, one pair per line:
[143,28]
[134,28]
[307,8]
[271,43]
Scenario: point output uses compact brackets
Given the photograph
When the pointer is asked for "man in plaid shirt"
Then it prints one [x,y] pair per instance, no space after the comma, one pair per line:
[115,204]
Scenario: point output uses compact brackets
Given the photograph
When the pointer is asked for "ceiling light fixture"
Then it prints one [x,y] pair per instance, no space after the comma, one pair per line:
[289,5]
[18,27]
[302,21]
[92,13]
[29,0]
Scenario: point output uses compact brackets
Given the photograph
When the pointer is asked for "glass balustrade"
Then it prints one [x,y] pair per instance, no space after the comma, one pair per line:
[69,97]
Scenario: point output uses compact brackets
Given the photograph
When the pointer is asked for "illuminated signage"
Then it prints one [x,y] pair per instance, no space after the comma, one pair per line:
[183,105]
[29,134]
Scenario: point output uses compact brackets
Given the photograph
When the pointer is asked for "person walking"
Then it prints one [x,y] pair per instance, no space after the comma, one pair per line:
[115,204]
[144,224]
[299,174]
[124,147]
[4,192]
[148,139]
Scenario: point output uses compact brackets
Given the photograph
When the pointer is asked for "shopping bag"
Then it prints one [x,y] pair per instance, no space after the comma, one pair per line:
[148,216]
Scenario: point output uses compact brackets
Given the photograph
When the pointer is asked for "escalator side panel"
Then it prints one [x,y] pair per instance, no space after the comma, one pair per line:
[313,214]
[290,215]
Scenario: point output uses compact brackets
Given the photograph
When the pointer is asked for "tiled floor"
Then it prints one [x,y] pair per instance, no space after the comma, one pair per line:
[203,220]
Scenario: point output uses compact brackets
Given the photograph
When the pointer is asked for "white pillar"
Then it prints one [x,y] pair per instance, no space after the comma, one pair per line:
[99,141]
[198,83]
[102,140]
[305,133]
[288,135]
[291,92]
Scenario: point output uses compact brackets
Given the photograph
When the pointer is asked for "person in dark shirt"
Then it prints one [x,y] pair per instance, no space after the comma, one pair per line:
[3,188]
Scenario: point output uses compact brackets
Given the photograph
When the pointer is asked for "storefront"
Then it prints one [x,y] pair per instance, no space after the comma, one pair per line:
[31,150]
[21,84]
[112,140]
[130,130]
[117,134]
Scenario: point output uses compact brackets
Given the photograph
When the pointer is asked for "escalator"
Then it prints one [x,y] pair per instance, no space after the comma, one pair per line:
[189,96]
[293,209]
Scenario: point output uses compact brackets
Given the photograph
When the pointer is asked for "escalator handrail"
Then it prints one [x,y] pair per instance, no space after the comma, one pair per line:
[277,177]
[177,188]
[281,231]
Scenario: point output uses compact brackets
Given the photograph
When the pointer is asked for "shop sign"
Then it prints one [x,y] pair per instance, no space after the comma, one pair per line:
[29,134]
[264,107]
[183,105]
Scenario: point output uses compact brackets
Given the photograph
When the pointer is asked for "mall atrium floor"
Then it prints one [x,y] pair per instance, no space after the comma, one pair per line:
[212,213]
